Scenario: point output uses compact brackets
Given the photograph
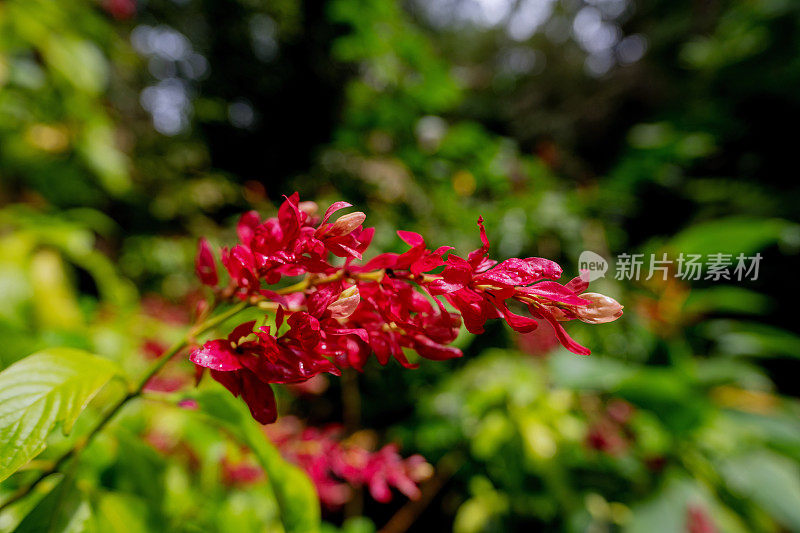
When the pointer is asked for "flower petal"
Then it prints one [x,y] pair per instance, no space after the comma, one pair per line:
[333,208]
[246,228]
[476,256]
[554,292]
[520,324]
[216,355]
[578,284]
[411,238]
[204,264]
[518,272]
[240,331]
[565,340]
[259,398]
[434,351]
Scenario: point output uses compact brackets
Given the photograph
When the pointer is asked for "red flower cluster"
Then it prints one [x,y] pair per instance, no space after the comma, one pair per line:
[336,466]
[338,315]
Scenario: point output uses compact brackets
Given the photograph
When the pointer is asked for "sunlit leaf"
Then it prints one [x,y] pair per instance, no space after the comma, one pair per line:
[40,391]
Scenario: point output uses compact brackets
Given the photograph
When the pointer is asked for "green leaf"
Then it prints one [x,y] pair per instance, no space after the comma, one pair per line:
[669,395]
[727,299]
[666,511]
[780,431]
[589,373]
[296,495]
[40,391]
[723,370]
[664,391]
[254,509]
[63,510]
[139,471]
[732,235]
[121,513]
[55,300]
[771,480]
[752,339]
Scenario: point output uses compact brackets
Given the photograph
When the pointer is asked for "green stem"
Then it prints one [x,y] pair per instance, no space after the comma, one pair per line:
[135,392]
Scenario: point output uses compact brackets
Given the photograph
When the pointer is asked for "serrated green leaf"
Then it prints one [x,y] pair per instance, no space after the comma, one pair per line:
[296,495]
[37,392]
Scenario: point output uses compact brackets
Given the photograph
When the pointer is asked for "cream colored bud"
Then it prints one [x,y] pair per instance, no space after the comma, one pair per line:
[347,302]
[602,309]
[309,208]
[347,223]
[421,471]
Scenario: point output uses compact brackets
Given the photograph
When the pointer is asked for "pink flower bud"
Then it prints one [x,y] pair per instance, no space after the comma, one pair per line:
[345,224]
[602,309]
[205,267]
[346,304]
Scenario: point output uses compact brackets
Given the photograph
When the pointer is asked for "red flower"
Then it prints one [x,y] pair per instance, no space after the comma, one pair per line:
[395,316]
[387,469]
[338,238]
[291,244]
[247,367]
[341,314]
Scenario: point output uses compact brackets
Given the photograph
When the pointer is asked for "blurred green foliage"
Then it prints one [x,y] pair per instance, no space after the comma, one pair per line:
[122,141]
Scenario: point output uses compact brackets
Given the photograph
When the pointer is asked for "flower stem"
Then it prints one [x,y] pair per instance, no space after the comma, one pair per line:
[134,392]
